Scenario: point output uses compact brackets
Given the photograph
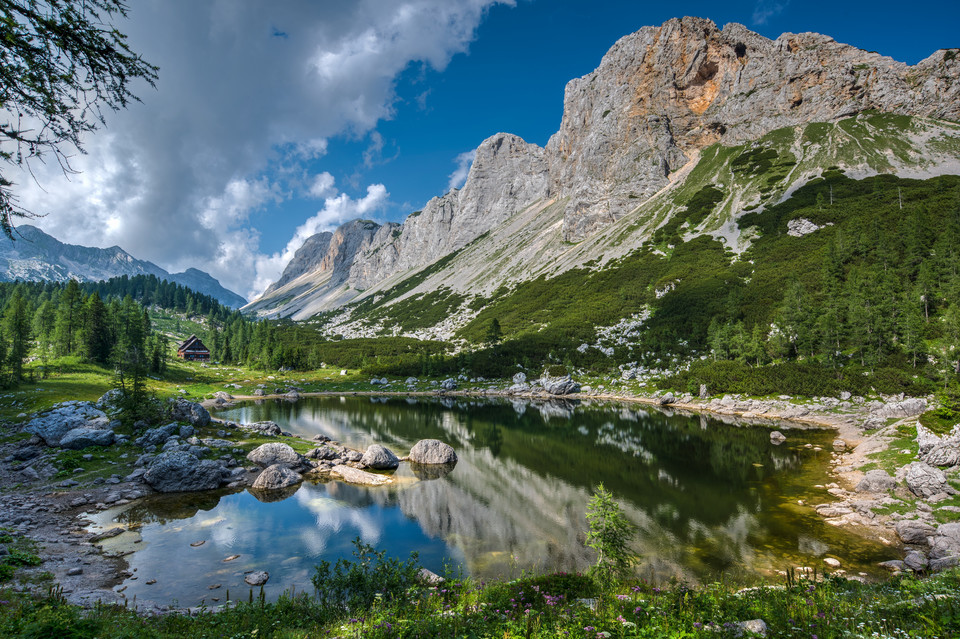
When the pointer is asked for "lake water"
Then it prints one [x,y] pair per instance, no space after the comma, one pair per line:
[709,499]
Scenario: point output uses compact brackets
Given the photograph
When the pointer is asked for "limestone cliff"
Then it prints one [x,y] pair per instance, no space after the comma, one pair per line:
[658,97]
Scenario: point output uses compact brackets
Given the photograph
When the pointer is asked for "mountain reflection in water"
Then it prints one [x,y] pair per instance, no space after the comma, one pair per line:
[707,497]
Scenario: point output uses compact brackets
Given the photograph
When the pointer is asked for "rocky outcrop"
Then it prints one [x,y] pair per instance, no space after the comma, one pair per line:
[80,438]
[54,425]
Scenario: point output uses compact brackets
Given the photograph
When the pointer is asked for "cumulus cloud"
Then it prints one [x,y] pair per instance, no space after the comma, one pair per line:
[322,186]
[766,9]
[234,99]
[459,176]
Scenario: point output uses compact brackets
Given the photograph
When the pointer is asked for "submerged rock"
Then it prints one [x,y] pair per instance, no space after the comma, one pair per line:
[257,578]
[432,451]
[357,476]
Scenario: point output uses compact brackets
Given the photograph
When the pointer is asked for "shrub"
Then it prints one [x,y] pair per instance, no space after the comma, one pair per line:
[610,532]
[355,586]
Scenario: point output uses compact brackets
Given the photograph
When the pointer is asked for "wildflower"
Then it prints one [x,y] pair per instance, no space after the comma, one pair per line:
[588,628]
[636,589]
[623,597]
[697,625]
[656,591]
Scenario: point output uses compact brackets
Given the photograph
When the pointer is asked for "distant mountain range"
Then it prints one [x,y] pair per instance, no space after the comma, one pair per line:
[35,255]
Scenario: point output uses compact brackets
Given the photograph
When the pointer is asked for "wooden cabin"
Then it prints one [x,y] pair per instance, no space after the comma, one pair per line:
[193,349]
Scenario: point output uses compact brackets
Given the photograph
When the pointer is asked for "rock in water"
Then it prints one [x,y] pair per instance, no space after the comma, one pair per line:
[777,438]
[357,476]
[379,458]
[432,451]
[178,471]
[277,453]
[257,578]
[276,477]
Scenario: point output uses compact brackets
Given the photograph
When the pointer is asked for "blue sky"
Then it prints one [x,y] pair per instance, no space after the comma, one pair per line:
[272,121]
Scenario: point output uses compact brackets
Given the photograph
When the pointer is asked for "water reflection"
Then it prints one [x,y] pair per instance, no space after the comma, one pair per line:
[707,497]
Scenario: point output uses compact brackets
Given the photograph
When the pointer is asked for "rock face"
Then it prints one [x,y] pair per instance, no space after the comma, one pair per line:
[175,472]
[658,97]
[53,425]
[945,547]
[379,458]
[432,451]
[276,477]
[277,453]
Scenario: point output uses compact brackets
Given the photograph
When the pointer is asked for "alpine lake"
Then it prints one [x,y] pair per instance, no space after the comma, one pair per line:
[710,499]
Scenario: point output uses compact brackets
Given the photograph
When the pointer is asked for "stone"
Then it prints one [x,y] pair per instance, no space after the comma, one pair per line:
[915,561]
[924,480]
[876,481]
[62,418]
[276,477]
[777,438]
[703,394]
[756,627]
[559,385]
[945,546]
[520,378]
[223,395]
[178,471]
[110,400]
[449,384]
[157,436]
[277,453]
[912,531]
[259,392]
[667,399]
[379,458]
[257,578]
[324,452]
[29,474]
[943,455]
[271,429]
[432,451]
[183,410]
[80,438]
[831,562]
[356,476]
[894,565]
[73,572]
[107,534]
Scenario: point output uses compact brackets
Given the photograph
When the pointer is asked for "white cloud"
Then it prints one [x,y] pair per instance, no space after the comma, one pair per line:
[322,186]
[766,9]
[459,176]
[234,100]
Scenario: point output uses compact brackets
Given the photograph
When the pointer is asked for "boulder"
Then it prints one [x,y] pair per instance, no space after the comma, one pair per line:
[183,410]
[703,394]
[943,455]
[520,378]
[559,385]
[324,453]
[432,451]
[876,481]
[777,438]
[277,453]
[80,438]
[357,476]
[177,471]
[292,394]
[924,480]
[259,393]
[449,384]
[945,546]
[926,440]
[429,472]
[914,532]
[379,458]
[667,399]
[157,436]
[916,561]
[54,424]
[223,395]
[276,477]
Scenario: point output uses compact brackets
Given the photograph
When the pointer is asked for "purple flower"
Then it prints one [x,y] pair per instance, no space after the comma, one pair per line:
[588,628]
[623,597]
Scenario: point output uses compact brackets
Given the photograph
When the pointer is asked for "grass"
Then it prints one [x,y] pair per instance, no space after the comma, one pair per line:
[539,606]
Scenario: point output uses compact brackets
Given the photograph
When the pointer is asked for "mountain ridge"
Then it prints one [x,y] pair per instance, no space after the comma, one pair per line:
[37,255]
[633,129]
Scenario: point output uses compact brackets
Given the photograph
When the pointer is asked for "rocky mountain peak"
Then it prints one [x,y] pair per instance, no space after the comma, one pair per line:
[663,93]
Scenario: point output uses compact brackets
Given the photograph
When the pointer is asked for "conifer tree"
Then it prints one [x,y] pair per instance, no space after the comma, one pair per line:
[16,324]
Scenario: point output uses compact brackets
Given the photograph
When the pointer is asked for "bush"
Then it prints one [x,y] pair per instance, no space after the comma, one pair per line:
[354,586]
[610,532]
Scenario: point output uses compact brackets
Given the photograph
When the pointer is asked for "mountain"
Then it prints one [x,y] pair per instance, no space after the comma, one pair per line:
[35,255]
[682,132]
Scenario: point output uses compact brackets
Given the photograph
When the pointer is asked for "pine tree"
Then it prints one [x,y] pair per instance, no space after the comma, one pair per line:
[16,325]
[96,334]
